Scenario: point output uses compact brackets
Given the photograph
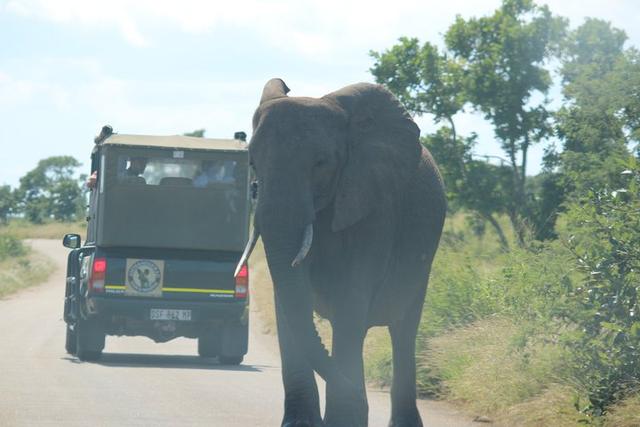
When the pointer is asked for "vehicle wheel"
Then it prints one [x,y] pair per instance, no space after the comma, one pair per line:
[209,345]
[89,340]
[231,360]
[70,341]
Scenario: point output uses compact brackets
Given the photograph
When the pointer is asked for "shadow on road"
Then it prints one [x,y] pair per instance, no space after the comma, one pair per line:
[129,360]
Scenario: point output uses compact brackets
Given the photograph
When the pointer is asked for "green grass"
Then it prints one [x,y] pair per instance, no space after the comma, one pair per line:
[625,413]
[23,229]
[18,267]
[485,367]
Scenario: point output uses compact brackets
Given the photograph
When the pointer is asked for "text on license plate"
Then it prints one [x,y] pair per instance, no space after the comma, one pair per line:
[169,314]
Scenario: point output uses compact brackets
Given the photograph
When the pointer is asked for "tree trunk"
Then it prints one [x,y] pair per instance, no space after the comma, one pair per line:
[516,204]
[504,244]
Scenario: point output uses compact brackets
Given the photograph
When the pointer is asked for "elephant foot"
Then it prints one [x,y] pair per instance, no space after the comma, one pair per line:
[345,421]
[301,422]
[410,418]
[347,412]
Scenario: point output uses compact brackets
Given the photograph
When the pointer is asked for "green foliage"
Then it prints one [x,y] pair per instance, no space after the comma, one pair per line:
[472,282]
[199,133]
[472,184]
[547,193]
[592,49]
[602,115]
[557,321]
[50,190]
[7,202]
[504,56]
[606,244]
[424,80]
[497,64]
[10,247]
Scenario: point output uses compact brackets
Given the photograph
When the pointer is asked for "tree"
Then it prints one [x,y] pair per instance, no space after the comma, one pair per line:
[424,80]
[199,133]
[601,115]
[472,184]
[504,57]
[592,49]
[7,202]
[495,63]
[50,190]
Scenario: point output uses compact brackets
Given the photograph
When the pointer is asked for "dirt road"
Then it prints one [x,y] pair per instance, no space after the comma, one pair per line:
[138,382]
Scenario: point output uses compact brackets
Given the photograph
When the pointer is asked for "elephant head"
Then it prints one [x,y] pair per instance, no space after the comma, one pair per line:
[340,154]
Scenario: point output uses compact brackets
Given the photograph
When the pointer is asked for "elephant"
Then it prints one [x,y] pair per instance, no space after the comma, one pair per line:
[350,210]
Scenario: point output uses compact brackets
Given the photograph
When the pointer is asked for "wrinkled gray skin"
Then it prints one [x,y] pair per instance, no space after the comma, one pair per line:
[350,164]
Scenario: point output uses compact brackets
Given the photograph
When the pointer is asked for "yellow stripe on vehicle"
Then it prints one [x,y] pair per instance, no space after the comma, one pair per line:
[189,290]
[203,291]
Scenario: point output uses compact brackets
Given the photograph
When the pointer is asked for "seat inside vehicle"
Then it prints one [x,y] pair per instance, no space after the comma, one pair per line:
[136,180]
[177,181]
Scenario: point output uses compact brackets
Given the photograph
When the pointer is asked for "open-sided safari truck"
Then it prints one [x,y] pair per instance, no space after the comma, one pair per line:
[168,220]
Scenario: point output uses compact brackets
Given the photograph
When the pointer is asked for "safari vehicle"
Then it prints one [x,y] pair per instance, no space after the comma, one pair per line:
[168,218]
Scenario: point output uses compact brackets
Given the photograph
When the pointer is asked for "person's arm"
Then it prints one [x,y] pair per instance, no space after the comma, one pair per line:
[92,180]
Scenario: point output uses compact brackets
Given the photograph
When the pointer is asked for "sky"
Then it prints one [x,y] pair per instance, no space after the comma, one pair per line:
[168,67]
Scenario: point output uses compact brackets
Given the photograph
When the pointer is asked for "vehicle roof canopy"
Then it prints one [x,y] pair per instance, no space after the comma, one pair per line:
[177,141]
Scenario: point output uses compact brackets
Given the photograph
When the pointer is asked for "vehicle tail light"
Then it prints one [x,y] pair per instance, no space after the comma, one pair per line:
[98,272]
[242,282]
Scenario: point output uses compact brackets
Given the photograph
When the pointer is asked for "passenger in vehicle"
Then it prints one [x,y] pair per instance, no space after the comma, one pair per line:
[105,133]
[92,180]
[134,170]
[220,171]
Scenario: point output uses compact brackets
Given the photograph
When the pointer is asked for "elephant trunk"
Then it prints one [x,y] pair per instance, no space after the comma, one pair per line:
[285,220]
[294,295]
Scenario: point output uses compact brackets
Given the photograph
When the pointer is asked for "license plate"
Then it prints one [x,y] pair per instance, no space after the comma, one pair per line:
[169,314]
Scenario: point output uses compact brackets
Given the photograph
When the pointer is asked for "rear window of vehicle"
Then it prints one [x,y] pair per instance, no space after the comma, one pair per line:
[198,173]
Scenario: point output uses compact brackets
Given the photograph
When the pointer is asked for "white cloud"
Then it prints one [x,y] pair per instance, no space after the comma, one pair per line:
[87,13]
[16,92]
[313,28]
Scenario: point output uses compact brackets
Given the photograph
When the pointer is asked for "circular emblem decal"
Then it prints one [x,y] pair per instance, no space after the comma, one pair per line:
[144,276]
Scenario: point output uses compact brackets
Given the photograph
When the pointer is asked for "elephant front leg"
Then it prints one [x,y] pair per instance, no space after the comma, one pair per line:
[347,406]
[301,401]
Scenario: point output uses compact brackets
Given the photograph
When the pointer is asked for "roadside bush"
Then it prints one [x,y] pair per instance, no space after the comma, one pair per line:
[605,241]
[470,282]
[11,247]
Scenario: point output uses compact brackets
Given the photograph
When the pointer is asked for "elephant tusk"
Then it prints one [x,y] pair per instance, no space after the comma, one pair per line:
[247,250]
[306,245]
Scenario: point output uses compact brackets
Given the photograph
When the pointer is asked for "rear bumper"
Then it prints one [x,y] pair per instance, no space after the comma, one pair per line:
[139,308]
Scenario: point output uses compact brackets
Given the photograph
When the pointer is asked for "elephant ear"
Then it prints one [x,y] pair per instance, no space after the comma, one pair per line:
[383,151]
[275,88]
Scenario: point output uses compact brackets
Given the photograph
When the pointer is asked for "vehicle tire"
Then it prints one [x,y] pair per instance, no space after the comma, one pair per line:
[234,340]
[209,344]
[70,341]
[231,360]
[89,339]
